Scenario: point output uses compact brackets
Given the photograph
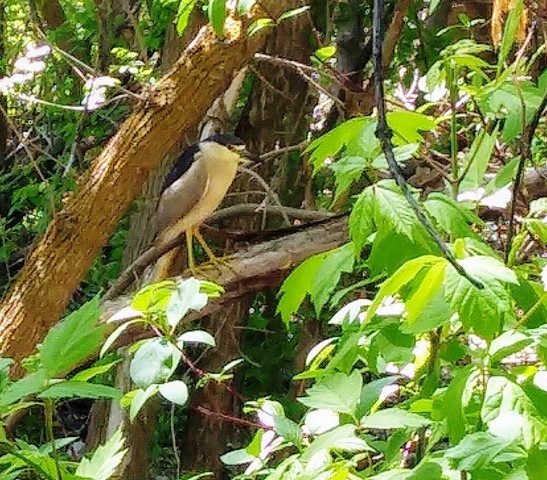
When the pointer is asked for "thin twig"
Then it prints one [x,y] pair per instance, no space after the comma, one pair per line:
[383,133]
[525,154]
[267,188]
[281,151]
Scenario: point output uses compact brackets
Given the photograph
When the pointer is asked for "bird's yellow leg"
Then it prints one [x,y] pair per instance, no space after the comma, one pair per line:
[191,261]
[212,257]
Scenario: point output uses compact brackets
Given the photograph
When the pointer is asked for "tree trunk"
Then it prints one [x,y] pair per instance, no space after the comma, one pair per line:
[76,235]
[270,120]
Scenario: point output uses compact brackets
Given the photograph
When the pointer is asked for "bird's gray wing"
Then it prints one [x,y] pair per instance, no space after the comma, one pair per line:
[181,196]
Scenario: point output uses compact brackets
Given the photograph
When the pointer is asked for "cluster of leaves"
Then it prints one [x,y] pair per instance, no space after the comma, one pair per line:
[72,342]
[422,378]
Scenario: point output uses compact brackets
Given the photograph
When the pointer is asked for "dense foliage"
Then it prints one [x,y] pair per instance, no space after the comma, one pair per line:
[419,373]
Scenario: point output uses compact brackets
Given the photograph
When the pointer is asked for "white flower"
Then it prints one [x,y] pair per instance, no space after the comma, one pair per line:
[268,443]
[25,64]
[544,277]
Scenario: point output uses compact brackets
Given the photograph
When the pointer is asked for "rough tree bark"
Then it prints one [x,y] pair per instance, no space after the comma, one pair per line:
[74,238]
[275,115]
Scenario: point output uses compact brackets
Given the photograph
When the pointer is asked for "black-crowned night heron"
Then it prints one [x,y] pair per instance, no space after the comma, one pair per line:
[193,189]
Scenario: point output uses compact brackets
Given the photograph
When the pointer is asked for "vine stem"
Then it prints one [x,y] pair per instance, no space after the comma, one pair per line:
[383,133]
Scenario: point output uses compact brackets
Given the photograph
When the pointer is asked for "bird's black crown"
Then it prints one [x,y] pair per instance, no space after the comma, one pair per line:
[184,162]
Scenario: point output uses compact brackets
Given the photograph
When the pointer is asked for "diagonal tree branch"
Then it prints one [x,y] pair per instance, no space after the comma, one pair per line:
[77,234]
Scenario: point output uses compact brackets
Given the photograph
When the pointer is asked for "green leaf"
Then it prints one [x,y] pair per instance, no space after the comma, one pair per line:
[28,385]
[480,310]
[175,391]
[453,402]
[347,170]
[536,465]
[140,397]
[536,227]
[105,460]
[475,451]
[361,224]
[370,393]
[258,25]
[197,336]
[89,373]
[217,16]
[296,286]
[186,297]
[337,392]
[326,52]
[504,176]
[510,31]
[330,144]
[72,388]
[340,438]
[287,429]
[510,414]
[154,362]
[435,313]
[407,126]
[506,344]
[186,7]
[478,157]
[293,13]
[394,418]
[73,340]
[328,275]
[423,293]
[155,296]
[452,217]
[401,277]
[392,210]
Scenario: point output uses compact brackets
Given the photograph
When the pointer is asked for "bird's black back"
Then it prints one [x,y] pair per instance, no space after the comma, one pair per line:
[184,162]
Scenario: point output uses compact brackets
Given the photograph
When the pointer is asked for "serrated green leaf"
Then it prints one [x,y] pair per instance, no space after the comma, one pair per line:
[288,429]
[347,170]
[361,224]
[105,460]
[337,392]
[217,16]
[453,218]
[392,210]
[153,296]
[330,144]
[390,418]
[328,275]
[72,388]
[504,176]
[407,126]
[73,340]
[510,415]
[481,310]
[340,438]
[475,451]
